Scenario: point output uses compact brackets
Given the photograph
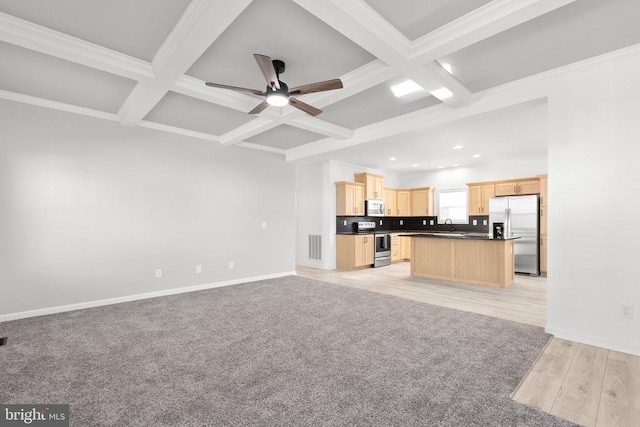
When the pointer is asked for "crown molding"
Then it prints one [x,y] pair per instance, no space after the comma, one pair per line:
[479,24]
[55,105]
[44,40]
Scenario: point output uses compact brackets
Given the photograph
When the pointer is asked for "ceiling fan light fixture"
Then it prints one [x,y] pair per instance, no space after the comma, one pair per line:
[278,97]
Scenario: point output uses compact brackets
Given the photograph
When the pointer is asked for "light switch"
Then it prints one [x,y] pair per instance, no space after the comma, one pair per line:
[198,269]
[475,222]
[264,225]
[430,222]
[484,222]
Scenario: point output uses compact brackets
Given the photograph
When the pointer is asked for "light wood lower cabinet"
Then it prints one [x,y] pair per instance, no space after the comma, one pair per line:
[395,248]
[543,255]
[354,251]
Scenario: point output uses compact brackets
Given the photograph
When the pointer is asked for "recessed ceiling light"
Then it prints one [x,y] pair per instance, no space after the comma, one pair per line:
[392,158]
[442,93]
[447,67]
[475,156]
[415,165]
[455,164]
[405,88]
[457,147]
[440,167]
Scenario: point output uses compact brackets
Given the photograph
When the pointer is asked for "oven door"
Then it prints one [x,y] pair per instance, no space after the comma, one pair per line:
[383,245]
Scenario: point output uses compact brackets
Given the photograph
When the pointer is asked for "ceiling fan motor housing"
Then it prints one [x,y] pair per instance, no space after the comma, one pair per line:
[278,66]
[278,97]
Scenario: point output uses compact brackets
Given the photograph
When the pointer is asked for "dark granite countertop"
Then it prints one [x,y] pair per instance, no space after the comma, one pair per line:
[454,235]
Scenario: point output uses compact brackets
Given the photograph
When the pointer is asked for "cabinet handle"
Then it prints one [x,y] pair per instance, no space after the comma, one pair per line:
[515,189]
[541,213]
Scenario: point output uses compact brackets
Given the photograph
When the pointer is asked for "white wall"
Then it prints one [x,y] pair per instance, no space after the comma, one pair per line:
[90,209]
[452,178]
[594,184]
[316,206]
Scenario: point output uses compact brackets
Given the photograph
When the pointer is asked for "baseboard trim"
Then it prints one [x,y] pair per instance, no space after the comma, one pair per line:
[136,297]
[596,341]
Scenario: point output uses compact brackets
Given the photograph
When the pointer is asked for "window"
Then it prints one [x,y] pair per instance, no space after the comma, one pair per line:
[452,204]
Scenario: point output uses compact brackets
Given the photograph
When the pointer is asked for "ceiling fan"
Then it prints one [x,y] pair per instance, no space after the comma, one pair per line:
[277,92]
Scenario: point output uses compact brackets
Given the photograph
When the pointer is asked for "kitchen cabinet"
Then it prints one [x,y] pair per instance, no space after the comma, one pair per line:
[422,201]
[543,224]
[517,187]
[349,198]
[543,258]
[395,247]
[373,184]
[354,251]
[404,202]
[390,197]
[479,195]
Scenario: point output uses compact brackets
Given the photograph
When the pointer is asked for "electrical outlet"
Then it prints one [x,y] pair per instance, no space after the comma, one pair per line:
[198,269]
[344,222]
[380,222]
[230,265]
[424,222]
[475,222]
[158,273]
[626,311]
[431,222]
[264,225]
[401,222]
[484,222]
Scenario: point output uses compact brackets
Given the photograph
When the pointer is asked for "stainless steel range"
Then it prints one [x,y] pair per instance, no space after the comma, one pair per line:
[383,250]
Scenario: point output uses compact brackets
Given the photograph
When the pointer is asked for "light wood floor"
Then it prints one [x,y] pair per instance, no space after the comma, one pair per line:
[588,385]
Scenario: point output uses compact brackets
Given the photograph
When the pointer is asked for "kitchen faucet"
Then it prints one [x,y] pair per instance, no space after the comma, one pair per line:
[450,222]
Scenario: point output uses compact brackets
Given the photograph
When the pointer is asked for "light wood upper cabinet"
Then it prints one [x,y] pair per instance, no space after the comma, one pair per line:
[349,198]
[479,195]
[404,202]
[422,201]
[390,197]
[516,187]
[373,184]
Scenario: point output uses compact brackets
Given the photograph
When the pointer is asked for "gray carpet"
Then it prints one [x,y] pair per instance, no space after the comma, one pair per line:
[288,351]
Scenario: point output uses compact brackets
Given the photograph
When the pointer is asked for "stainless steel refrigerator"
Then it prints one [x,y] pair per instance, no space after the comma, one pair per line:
[521,218]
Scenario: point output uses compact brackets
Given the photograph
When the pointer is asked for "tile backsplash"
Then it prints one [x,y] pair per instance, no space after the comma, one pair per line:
[344,224]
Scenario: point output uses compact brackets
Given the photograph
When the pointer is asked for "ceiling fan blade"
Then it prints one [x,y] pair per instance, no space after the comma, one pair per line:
[259,108]
[236,88]
[316,87]
[304,107]
[269,73]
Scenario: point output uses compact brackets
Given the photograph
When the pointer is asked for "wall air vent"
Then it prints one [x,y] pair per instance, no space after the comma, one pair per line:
[315,246]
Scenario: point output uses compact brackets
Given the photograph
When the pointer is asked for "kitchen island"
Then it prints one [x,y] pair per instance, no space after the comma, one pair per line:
[467,258]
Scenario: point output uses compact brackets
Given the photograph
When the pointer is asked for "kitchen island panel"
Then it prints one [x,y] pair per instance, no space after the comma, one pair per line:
[488,262]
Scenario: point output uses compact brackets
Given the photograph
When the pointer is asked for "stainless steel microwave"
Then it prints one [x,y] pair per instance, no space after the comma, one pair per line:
[374,207]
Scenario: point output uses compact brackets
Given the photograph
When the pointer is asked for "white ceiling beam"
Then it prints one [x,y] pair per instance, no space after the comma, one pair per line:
[477,25]
[55,105]
[313,124]
[254,127]
[199,26]
[178,131]
[44,40]
[365,27]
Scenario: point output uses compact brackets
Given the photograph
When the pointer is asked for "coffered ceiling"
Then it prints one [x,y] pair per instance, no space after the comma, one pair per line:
[144,63]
